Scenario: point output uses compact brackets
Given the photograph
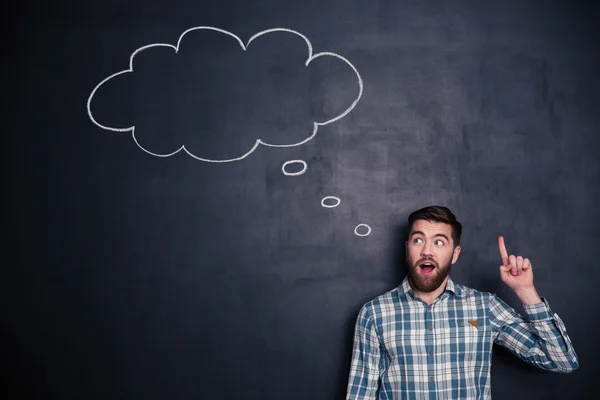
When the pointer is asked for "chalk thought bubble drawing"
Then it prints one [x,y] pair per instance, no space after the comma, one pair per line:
[330,201]
[285,170]
[311,56]
[365,227]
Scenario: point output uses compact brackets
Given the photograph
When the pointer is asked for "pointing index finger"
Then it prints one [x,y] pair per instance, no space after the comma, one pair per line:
[503,252]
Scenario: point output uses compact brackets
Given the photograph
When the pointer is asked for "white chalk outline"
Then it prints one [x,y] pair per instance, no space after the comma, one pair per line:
[330,198]
[304,168]
[362,234]
[258,142]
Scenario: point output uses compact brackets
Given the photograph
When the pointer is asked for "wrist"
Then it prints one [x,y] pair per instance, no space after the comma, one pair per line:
[528,295]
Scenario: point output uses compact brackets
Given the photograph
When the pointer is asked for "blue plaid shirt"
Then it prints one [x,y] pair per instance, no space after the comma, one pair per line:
[405,349]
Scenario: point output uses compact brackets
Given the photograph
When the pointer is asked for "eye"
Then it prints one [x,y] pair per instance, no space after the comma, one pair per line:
[418,240]
[439,242]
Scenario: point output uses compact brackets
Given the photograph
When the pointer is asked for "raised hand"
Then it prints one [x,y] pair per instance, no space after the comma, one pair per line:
[516,272]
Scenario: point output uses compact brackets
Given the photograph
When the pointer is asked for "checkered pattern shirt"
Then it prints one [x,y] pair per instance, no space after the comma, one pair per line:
[405,349]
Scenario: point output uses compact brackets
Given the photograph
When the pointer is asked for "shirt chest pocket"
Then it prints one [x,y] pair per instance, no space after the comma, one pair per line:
[459,340]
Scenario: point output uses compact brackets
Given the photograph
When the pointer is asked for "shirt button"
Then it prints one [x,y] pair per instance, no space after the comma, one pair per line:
[431,353]
[430,328]
[431,379]
[462,323]
[429,307]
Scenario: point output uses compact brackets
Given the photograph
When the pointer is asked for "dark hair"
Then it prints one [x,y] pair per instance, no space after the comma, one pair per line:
[437,214]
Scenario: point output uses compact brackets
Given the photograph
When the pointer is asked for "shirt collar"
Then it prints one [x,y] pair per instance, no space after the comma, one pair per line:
[406,289]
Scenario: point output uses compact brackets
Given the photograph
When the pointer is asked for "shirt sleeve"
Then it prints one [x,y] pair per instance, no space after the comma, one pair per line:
[363,382]
[542,340]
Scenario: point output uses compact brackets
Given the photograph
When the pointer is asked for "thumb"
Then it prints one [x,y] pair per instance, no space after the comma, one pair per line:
[505,268]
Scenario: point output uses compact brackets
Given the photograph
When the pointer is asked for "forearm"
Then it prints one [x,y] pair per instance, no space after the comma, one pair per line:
[542,340]
[552,339]
[362,385]
[528,296]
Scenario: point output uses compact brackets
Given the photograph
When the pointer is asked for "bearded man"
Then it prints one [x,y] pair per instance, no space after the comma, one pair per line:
[431,338]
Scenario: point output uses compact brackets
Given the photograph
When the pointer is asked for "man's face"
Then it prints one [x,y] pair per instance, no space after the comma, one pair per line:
[430,253]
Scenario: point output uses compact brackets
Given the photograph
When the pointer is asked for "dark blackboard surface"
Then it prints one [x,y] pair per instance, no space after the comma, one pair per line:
[128,275]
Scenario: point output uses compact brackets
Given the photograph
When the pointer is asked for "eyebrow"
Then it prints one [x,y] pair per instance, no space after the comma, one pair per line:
[423,234]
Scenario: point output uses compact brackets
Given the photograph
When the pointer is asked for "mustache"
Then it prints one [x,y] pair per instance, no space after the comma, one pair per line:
[426,259]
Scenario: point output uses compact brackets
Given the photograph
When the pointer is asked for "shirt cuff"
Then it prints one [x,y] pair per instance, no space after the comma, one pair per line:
[538,311]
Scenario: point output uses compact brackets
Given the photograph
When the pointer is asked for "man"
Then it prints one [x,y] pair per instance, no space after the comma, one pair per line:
[432,338]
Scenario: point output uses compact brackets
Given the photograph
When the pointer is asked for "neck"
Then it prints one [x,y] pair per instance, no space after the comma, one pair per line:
[429,297]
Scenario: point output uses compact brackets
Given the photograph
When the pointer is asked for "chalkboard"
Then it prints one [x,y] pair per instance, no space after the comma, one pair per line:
[203,194]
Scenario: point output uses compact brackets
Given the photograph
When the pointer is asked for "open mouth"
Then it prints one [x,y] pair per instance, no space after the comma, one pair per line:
[427,267]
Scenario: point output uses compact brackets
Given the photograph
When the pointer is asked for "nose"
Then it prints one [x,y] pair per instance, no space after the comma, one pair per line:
[426,250]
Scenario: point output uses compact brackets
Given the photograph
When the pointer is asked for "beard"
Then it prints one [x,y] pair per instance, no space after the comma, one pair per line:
[429,283]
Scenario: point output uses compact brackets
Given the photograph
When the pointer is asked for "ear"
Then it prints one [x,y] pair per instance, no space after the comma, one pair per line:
[455,254]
